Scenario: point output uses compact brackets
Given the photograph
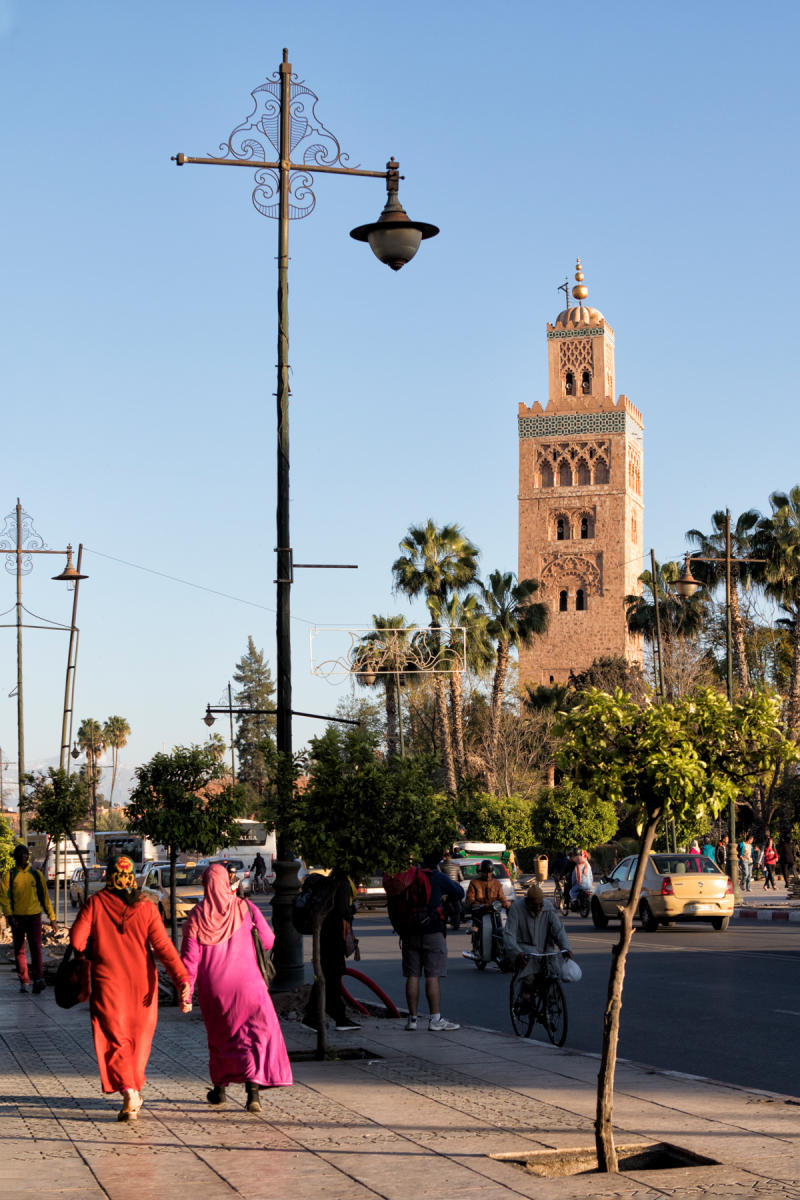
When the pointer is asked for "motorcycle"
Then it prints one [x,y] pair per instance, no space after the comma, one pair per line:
[581,904]
[487,937]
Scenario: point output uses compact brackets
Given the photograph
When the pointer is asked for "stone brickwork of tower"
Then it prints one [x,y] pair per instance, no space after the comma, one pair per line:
[580,501]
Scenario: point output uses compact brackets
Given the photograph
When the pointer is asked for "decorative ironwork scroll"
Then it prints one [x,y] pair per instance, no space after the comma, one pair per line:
[29,540]
[259,138]
[371,652]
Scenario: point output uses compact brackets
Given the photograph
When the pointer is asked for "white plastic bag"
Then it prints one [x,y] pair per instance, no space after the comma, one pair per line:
[570,971]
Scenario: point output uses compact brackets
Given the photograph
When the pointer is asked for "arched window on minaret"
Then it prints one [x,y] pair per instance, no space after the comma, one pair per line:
[562,600]
[584,478]
[569,384]
[580,600]
[586,383]
[564,474]
[600,471]
[586,528]
[547,474]
[562,529]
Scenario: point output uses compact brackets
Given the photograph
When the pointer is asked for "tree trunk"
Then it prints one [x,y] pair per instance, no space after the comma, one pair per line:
[457,720]
[319,978]
[173,895]
[498,685]
[739,647]
[390,684]
[793,713]
[440,695]
[114,769]
[603,1126]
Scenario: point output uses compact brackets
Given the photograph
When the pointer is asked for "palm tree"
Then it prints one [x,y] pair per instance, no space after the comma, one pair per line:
[712,574]
[91,739]
[469,645]
[778,540]
[115,734]
[436,563]
[514,620]
[679,618]
[380,659]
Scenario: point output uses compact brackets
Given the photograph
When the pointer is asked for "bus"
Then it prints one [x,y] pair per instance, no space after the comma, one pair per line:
[42,850]
[252,838]
[139,849]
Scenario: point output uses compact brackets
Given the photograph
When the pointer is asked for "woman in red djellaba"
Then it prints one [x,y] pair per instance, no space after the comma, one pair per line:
[120,930]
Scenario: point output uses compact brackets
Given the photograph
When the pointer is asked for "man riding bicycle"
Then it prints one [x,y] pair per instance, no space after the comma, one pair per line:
[533,929]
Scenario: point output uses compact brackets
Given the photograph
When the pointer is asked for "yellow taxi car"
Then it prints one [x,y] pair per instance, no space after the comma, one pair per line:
[676,887]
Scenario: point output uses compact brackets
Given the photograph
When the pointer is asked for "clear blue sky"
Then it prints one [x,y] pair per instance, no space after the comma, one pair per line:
[138,330]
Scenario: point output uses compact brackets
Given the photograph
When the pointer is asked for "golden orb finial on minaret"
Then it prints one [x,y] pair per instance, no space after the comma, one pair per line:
[580,291]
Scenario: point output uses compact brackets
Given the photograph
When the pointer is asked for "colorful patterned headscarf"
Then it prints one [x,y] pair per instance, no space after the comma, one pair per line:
[120,874]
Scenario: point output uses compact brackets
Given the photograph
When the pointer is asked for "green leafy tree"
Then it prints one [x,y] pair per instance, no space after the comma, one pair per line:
[565,816]
[490,818]
[437,563]
[681,758]
[6,845]
[514,620]
[116,732]
[91,739]
[380,660]
[778,540]
[60,803]
[359,814]
[181,801]
[255,690]
[712,574]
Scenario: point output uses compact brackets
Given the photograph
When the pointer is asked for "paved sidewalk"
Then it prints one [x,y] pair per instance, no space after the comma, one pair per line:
[419,1119]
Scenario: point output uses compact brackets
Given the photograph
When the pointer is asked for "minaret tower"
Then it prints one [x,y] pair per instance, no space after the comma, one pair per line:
[580,499]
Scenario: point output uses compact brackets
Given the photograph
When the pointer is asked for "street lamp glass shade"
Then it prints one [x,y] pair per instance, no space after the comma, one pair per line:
[686,585]
[209,718]
[69,574]
[393,238]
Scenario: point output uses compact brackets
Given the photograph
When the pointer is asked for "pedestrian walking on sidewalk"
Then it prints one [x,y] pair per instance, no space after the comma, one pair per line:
[746,862]
[245,1043]
[122,931]
[770,861]
[23,899]
[786,858]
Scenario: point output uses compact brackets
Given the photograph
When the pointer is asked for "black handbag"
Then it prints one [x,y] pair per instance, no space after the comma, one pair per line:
[263,957]
[73,980]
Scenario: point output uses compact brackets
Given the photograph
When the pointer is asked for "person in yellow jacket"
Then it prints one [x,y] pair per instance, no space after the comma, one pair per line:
[23,899]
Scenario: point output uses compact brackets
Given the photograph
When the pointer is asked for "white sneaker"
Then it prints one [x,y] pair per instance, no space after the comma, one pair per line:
[443,1024]
[411,1023]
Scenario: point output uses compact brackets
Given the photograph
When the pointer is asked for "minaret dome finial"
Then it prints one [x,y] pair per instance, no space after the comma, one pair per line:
[580,291]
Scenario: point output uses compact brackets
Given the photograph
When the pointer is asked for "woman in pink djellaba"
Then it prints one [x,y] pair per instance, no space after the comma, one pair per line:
[245,1044]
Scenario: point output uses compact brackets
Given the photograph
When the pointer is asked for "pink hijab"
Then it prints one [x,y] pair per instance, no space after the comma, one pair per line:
[217,917]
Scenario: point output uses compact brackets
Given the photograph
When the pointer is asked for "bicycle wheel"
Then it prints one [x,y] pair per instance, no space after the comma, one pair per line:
[521,1006]
[555,1012]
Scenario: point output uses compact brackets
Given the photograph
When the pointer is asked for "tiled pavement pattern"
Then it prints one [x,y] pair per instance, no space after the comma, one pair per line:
[418,1121]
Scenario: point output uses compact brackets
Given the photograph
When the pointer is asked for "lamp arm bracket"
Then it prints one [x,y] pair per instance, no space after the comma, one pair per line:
[183,159]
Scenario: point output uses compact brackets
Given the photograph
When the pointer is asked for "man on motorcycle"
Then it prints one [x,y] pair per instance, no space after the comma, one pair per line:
[485,889]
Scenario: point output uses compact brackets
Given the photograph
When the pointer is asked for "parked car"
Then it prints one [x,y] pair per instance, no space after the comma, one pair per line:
[676,887]
[237,865]
[97,881]
[154,884]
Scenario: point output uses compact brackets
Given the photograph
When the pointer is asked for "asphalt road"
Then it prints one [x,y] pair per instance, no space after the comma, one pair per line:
[722,1005]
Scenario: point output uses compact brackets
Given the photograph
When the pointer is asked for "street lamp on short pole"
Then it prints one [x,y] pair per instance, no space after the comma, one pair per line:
[284,120]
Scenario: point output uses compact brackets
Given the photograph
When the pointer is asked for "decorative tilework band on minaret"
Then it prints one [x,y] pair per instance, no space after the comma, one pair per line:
[580,499]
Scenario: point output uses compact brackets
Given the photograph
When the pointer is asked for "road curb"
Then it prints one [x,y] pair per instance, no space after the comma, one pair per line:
[768,914]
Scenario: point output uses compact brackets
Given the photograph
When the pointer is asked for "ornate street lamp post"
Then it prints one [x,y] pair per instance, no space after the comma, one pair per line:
[20,539]
[284,121]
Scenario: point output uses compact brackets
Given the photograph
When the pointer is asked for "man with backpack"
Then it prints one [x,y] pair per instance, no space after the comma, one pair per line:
[23,899]
[415,910]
